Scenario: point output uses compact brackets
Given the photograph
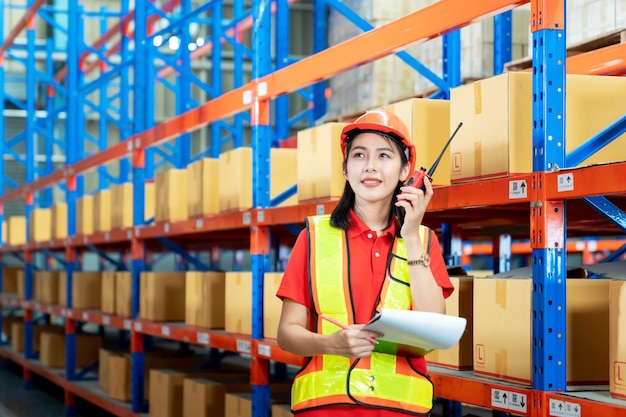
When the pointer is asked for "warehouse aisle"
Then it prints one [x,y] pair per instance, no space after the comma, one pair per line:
[43,400]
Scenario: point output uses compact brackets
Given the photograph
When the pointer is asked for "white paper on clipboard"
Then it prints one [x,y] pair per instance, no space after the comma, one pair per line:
[415,333]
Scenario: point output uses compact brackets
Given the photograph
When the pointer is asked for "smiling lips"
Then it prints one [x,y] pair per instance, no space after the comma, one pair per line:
[370,182]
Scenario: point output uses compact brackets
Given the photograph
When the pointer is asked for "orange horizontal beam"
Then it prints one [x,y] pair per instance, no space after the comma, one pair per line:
[610,60]
[603,179]
[21,25]
[421,25]
[525,248]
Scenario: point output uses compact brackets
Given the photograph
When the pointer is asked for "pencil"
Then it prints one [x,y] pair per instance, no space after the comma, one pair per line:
[343,326]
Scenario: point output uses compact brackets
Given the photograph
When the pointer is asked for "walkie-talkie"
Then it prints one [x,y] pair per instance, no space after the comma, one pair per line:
[417,179]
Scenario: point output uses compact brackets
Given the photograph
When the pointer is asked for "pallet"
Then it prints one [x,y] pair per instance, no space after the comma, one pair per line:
[612,38]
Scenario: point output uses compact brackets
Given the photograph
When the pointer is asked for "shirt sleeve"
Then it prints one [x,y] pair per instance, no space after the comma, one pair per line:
[295,282]
[438,266]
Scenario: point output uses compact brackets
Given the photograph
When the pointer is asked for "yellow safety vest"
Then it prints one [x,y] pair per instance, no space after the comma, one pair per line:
[381,380]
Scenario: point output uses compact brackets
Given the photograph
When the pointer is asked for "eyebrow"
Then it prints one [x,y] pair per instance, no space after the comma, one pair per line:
[377,149]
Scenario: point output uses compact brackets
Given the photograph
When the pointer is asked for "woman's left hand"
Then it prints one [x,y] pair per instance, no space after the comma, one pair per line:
[415,202]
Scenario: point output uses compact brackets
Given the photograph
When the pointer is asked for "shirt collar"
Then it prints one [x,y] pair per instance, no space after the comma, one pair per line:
[359,228]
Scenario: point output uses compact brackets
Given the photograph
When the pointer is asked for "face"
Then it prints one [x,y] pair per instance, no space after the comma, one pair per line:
[374,167]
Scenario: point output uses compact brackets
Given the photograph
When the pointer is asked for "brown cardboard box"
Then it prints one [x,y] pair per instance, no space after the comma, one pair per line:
[235,185]
[59,220]
[41,225]
[281,410]
[496,137]
[320,163]
[21,285]
[17,335]
[16,230]
[459,304]
[272,305]
[171,195]
[122,204]
[103,368]
[617,338]
[283,173]
[53,349]
[7,322]
[162,296]
[107,292]
[4,232]
[118,370]
[166,388]
[86,288]
[84,215]
[123,288]
[202,187]
[204,299]
[238,405]
[238,303]
[102,211]
[47,286]
[9,279]
[205,397]
[429,124]
[503,336]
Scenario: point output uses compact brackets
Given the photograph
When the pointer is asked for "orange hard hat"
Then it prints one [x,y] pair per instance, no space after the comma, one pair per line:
[381,121]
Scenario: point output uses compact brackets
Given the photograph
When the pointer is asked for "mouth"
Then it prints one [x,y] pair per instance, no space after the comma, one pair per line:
[370,181]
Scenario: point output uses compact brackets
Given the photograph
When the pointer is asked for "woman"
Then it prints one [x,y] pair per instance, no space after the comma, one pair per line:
[371,252]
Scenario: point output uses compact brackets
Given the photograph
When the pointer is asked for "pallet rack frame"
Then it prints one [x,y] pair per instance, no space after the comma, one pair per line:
[547,225]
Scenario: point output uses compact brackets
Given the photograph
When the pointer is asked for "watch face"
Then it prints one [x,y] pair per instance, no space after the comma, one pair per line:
[426,259]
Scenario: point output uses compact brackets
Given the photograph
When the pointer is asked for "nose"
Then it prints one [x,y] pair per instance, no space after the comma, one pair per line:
[370,166]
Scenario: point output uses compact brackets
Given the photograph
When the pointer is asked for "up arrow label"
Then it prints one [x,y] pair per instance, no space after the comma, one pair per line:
[565,182]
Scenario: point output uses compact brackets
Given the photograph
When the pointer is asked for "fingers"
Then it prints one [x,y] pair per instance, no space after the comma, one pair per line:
[354,343]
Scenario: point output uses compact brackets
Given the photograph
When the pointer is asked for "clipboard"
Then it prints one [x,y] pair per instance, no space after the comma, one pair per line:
[415,333]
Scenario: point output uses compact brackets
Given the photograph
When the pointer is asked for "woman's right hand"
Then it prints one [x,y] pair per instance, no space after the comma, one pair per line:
[352,342]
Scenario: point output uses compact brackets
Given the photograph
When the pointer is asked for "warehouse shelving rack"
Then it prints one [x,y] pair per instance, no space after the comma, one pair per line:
[255,225]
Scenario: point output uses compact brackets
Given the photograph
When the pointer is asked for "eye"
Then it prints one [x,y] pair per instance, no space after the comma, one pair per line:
[384,155]
[358,154]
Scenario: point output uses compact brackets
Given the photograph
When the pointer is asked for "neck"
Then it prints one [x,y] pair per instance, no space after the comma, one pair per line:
[375,216]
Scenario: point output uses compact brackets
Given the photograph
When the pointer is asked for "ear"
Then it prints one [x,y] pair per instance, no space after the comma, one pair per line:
[404,172]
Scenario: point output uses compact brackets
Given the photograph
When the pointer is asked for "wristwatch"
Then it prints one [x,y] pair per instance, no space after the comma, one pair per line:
[423,260]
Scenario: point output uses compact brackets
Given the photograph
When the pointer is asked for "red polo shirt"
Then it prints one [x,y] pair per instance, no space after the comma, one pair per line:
[368,262]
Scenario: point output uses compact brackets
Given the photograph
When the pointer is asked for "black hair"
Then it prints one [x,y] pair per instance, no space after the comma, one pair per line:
[340,217]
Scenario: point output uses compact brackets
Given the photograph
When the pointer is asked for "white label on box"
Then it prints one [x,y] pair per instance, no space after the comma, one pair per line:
[243,346]
[202,338]
[499,398]
[517,402]
[518,189]
[127,324]
[565,182]
[557,408]
[165,331]
[265,350]
[106,320]
[572,410]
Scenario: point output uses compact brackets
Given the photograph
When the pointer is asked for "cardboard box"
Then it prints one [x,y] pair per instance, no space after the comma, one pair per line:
[21,285]
[41,225]
[123,288]
[17,335]
[7,322]
[459,304]
[320,172]
[205,397]
[166,388]
[204,299]
[281,410]
[107,292]
[503,335]
[59,220]
[86,288]
[47,286]
[162,296]
[102,211]
[9,279]
[235,185]
[429,124]
[53,349]
[617,339]
[496,137]
[238,405]
[283,173]
[122,204]
[16,230]
[272,305]
[84,215]
[171,195]
[238,303]
[203,187]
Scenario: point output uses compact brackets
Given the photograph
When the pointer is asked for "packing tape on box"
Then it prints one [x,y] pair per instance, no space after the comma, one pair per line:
[501,362]
[501,293]
[478,98]
[478,163]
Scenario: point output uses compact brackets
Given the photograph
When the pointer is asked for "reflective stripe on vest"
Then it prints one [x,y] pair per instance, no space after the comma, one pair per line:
[381,380]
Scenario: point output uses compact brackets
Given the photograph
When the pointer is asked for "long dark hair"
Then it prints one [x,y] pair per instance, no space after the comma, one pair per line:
[340,217]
